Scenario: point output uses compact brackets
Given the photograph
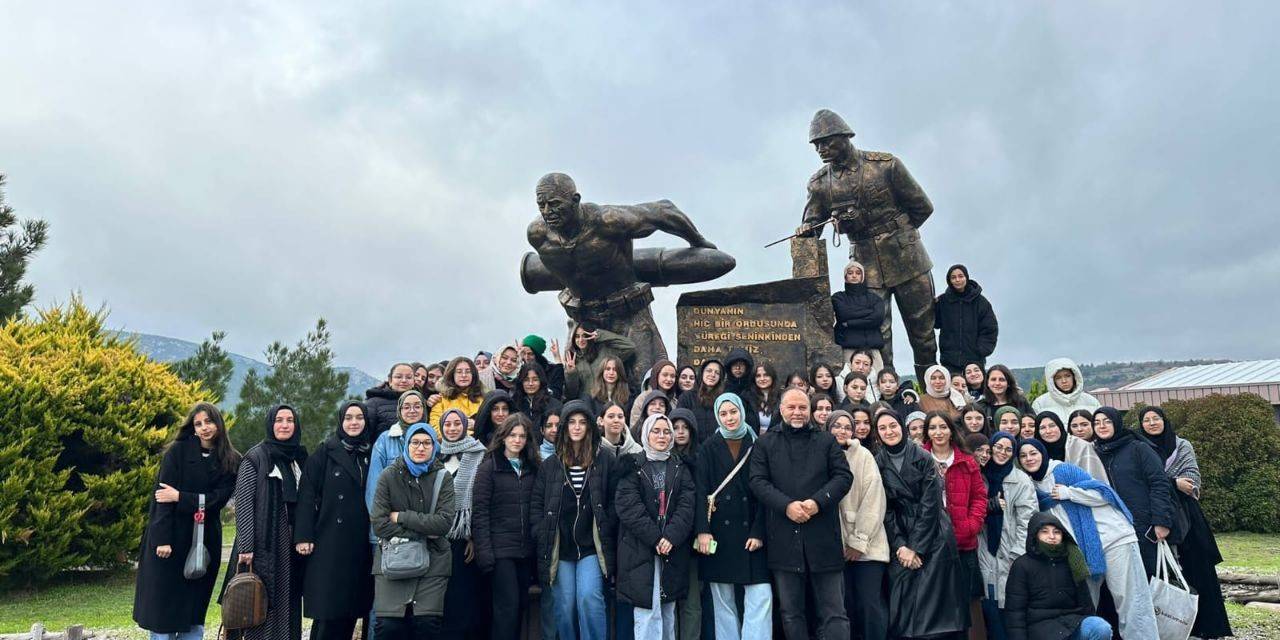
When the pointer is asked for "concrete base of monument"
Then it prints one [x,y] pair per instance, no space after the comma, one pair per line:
[787,323]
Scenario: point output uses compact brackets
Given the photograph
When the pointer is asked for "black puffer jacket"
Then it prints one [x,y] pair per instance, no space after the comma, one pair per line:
[500,516]
[484,426]
[641,528]
[381,401]
[1042,599]
[859,313]
[800,464]
[967,327]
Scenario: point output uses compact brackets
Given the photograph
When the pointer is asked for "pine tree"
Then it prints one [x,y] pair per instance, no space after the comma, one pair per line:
[16,248]
[210,366]
[303,377]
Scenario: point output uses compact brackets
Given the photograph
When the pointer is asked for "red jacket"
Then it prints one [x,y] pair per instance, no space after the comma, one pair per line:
[966,498]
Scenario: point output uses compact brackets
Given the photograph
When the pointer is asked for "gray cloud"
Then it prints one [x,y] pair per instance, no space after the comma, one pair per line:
[1105,171]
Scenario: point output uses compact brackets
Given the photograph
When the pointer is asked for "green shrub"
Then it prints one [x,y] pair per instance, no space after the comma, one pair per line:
[1237,442]
[83,417]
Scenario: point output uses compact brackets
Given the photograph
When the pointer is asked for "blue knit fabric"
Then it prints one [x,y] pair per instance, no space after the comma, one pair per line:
[1083,525]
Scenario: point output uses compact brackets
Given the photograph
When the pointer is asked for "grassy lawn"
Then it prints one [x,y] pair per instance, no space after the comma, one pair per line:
[96,600]
[1250,552]
[105,600]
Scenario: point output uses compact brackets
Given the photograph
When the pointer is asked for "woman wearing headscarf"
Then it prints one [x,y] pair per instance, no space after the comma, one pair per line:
[574,524]
[266,510]
[1098,520]
[459,389]
[730,526]
[939,395]
[662,379]
[1198,552]
[859,314]
[927,596]
[966,503]
[196,479]
[1064,447]
[866,547]
[967,326]
[413,608]
[1137,474]
[500,521]
[501,373]
[460,455]
[332,531]
[655,514]
[702,397]
[1011,501]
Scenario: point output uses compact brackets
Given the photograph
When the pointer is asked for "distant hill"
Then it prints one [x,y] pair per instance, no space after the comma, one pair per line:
[165,349]
[1110,375]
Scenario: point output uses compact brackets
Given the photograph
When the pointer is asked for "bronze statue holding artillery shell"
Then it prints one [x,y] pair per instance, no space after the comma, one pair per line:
[585,251]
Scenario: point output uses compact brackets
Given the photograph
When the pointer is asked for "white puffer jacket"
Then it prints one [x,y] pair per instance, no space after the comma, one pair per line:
[1061,403]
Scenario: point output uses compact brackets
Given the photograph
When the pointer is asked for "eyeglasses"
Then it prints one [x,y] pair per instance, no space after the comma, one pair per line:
[1002,449]
[426,444]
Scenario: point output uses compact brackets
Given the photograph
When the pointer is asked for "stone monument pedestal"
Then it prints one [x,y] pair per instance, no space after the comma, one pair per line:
[787,322]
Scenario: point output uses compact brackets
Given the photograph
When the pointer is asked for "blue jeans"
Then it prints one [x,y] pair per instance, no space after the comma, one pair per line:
[579,594]
[194,633]
[1092,628]
[757,619]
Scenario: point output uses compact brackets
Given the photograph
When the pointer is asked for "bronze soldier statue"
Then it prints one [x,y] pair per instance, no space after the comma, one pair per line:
[880,207]
[586,248]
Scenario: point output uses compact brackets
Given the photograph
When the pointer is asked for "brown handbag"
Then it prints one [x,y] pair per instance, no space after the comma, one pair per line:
[244,603]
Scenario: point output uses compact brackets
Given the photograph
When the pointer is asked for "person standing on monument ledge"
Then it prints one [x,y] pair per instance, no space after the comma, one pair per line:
[880,207]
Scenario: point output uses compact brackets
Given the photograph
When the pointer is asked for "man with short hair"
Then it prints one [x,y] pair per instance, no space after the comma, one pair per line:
[800,474]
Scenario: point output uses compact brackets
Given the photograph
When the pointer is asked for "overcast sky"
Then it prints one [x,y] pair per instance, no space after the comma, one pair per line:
[1107,171]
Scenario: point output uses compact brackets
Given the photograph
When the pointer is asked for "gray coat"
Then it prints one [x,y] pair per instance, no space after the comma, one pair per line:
[399,491]
[1020,504]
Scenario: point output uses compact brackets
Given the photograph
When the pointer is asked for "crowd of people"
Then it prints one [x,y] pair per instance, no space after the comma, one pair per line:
[721,500]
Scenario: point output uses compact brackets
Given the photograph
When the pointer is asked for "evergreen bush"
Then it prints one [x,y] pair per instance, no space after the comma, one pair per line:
[1237,442]
[83,418]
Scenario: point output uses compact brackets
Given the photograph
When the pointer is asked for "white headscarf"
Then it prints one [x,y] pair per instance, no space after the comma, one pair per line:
[649,424]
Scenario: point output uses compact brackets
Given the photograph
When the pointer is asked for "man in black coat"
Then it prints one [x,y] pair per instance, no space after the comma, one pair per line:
[800,474]
[967,327]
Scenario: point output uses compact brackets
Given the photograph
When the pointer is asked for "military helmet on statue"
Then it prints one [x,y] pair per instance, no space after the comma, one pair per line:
[827,123]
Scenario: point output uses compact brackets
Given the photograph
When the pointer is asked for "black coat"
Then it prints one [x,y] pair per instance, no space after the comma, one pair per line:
[738,516]
[164,601]
[1137,474]
[967,327]
[801,464]
[859,313]
[1042,599]
[332,515]
[381,401]
[933,599]
[500,502]
[555,377]
[641,529]
[547,506]
[706,416]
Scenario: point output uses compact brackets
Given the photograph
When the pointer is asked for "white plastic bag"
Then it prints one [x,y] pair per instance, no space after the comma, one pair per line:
[1175,605]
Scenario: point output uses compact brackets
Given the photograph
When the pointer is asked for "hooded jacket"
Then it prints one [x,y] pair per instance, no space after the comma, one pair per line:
[1021,505]
[859,313]
[381,401]
[967,327]
[1061,403]
[966,492]
[1043,601]
[638,409]
[483,424]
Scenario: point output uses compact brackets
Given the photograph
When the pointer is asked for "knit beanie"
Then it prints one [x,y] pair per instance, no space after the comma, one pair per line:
[537,343]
